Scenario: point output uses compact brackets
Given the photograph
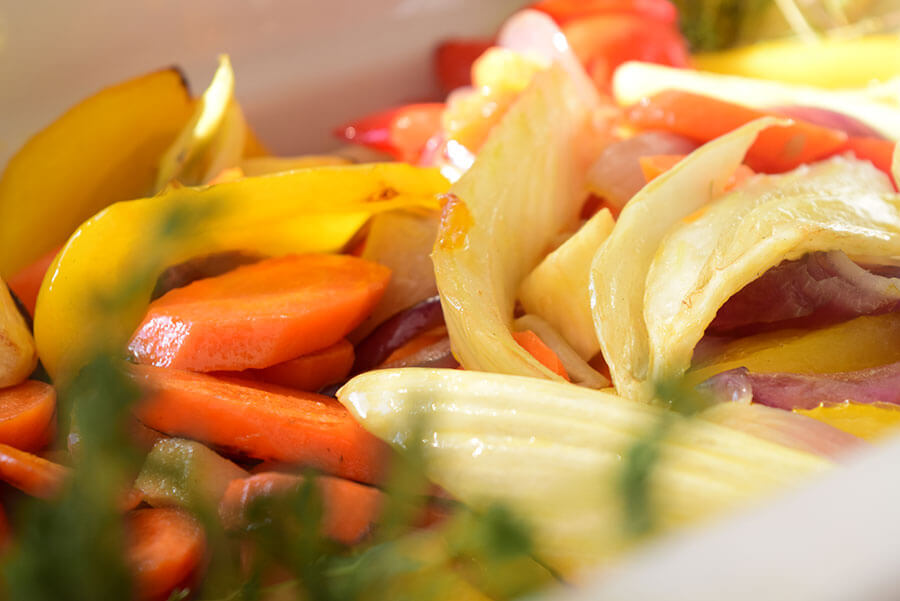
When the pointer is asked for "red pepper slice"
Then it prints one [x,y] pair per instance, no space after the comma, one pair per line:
[401,132]
[453,61]
[564,11]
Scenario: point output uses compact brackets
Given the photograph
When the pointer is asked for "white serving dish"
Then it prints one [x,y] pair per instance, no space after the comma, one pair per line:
[302,68]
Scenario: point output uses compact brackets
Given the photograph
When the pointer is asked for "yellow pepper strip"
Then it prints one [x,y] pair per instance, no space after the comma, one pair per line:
[860,343]
[212,140]
[103,150]
[871,422]
[829,63]
[17,353]
[127,246]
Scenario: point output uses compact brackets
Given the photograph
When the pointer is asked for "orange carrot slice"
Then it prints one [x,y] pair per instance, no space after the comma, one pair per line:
[530,341]
[27,413]
[261,314]
[31,474]
[425,339]
[879,152]
[703,118]
[655,165]
[27,282]
[165,549]
[309,372]
[350,508]
[259,420]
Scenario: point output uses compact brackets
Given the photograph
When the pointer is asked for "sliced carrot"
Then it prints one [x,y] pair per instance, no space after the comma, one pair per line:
[309,372]
[703,118]
[261,314]
[530,341]
[31,474]
[654,166]
[27,415]
[27,282]
[165,549]
[259,420]
[350,508]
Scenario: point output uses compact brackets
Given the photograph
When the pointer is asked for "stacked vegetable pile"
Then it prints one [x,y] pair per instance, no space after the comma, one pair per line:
[595,295]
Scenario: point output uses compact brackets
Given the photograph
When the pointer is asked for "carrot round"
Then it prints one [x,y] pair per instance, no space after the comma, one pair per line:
[309,372]
[31,474]
[261,314]
[879,152]
[530,341]
[165,549]
[350,508]
[261,421]
[26,283]
[27,413]
[702,118]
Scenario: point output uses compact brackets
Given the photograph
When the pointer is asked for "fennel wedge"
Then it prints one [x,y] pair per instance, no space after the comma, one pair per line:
[553,452]
[502,217]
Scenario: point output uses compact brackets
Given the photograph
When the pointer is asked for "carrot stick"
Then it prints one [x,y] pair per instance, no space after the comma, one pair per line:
[27,413]
[350,508]
[655,165]
[703,118]
[261,421]
[309,372]
[31,474]
[261,314]
[27,282]
[530,341]
[165,548]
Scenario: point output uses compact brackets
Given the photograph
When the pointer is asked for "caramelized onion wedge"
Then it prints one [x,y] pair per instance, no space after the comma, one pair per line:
[397,331]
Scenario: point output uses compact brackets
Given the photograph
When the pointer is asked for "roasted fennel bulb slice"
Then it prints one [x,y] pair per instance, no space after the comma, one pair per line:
[501,218]
[552,452]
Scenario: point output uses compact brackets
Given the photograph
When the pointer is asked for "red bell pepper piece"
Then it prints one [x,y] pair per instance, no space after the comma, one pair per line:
[453,61]
[564,11]
[400,132]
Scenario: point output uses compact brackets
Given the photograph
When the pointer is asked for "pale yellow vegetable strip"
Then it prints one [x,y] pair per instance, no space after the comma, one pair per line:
[311,210]
[18,356]
[512,203]
[620,266]
[553,453]
[838,204]
[558,288]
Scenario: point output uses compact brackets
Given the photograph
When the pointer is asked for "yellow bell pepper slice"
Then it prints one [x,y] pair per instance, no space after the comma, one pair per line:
[127,246]
[828,63]
[17,353]
[860,343]
[212,140]
[105,149]
[871,422]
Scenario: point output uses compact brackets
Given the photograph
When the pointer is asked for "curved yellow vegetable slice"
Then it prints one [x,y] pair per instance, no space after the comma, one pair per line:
[861,343]
[620,267]
[558,288]
[503,214]
[838,204]
[212,140]
[100,283]
[871,422]
[18,356]
[105,149]
[836,63]
[552,452]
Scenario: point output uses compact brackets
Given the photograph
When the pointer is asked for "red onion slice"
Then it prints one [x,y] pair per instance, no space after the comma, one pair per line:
[397,331]
[808,391]
[434,355]
[827,118]
[616,174]
[819,289]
